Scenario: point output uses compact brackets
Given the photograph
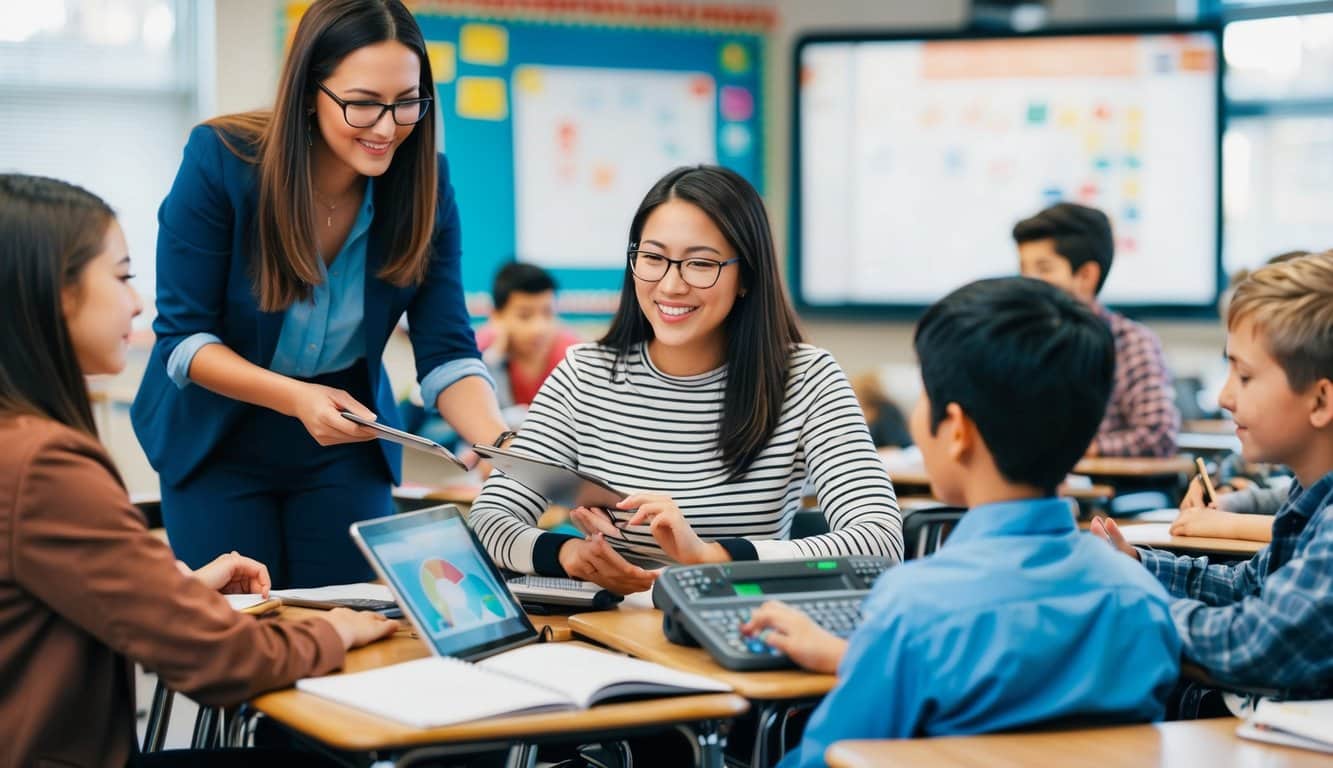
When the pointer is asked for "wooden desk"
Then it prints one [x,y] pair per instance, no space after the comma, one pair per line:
[1134,468]
[352,730]
[1193,545]
[1166,745]
[638,632]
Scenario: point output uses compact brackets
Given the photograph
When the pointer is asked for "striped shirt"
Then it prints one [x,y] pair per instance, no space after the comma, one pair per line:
[645,431]
[1141,418]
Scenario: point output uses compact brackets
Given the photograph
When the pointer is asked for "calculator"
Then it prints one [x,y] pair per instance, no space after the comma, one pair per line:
[706,604]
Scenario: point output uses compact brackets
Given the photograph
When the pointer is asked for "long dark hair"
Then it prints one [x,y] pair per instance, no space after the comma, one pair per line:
[49,231]
[277,141]
[761,328]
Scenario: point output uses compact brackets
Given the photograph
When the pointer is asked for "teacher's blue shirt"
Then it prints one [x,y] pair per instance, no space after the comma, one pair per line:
[1019,619]
[205,294]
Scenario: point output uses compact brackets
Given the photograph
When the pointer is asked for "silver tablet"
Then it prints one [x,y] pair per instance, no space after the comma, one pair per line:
[385,432]
[560,484]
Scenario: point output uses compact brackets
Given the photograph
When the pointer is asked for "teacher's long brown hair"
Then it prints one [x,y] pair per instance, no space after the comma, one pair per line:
[286,257]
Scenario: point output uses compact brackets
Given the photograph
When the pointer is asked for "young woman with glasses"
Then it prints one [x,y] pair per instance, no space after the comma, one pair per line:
[289,246]
[702,402]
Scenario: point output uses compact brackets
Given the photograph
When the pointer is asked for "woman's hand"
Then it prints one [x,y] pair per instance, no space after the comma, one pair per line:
[592,559]
[320,409]
[803,641]
[358,628]
[671,530]
[232,573]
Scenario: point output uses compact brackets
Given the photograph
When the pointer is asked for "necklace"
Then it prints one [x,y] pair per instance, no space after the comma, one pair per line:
[328,222]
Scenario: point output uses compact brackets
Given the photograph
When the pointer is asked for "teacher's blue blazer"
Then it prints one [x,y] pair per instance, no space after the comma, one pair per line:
[205,228]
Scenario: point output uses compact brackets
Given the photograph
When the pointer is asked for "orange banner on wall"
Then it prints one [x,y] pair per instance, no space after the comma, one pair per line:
[1097,56]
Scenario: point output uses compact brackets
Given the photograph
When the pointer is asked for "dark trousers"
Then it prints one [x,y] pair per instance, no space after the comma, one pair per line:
[270,492]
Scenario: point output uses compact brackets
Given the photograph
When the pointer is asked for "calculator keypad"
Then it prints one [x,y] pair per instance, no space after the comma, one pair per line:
[839,617]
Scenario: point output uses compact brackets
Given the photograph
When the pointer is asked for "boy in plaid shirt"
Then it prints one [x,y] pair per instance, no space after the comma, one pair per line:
[1268,622]
[1070,246]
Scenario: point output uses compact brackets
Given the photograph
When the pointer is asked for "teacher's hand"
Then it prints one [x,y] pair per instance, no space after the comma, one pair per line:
[320,409]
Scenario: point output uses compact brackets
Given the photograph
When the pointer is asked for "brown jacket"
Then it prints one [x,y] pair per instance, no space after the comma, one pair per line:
[86,590]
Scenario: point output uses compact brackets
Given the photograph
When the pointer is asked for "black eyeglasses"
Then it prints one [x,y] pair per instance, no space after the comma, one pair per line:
[363,114]
[697,272]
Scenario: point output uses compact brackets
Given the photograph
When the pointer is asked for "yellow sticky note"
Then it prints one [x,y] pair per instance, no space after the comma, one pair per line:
[482,98]
[484,44]
[735,59]
[1066,118]
[1093,141]
[443,61]
[1131,188]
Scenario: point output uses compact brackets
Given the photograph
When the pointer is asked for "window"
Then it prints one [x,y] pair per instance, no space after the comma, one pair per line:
[1277,153]
[101,93]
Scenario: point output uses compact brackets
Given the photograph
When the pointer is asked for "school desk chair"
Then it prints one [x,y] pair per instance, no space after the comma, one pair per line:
[924,530]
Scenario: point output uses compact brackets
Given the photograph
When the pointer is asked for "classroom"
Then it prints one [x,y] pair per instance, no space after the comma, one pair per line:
[613,383]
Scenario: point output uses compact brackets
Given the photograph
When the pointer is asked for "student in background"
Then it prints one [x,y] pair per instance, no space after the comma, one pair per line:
[703,403]
[1070,246]
[1019,619]
[888,428]
[85,589]
[291,242]
[523,341]
[1265,622]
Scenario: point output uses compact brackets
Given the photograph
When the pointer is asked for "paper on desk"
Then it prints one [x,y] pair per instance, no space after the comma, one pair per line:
[360,591]
[241,602]
[1147,533]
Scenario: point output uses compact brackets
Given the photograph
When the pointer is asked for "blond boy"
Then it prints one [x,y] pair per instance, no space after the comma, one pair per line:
[1268,622]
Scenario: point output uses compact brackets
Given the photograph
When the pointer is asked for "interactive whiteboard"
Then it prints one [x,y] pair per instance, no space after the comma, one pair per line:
[915,157]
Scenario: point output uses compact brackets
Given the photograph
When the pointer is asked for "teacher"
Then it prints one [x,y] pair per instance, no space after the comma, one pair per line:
[290,244]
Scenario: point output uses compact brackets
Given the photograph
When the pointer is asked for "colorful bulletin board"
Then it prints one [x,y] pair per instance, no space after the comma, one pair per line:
[916,156]
[558,115]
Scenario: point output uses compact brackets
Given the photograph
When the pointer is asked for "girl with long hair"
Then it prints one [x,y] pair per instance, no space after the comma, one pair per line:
[704,403]
[85,588]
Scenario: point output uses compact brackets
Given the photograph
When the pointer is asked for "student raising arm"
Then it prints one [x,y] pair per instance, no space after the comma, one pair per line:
[703,401]
[85,589]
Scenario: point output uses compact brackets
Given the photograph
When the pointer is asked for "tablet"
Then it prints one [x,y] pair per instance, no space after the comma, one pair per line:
[445,582]
[385,432]
[560,484]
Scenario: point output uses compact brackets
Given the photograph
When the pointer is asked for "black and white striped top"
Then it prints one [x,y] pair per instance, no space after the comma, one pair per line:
[642,430]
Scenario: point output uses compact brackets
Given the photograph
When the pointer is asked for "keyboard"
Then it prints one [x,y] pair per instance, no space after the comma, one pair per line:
[839,617]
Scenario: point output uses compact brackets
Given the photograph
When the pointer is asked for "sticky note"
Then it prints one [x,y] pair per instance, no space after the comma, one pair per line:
[529,80]
[484,44]
[482,98]
[737,103]
[735,59]
[443,61]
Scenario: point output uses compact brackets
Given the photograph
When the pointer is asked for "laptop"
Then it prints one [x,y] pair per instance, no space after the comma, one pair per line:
[445,582]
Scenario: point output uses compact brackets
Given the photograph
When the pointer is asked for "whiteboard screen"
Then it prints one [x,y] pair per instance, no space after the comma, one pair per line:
[916,157]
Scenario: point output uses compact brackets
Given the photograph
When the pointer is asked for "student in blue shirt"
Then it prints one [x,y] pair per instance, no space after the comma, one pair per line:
[291,242]
[1019,619]
[1268,622]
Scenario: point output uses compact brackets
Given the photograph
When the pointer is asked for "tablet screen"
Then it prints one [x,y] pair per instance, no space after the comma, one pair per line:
[446,582]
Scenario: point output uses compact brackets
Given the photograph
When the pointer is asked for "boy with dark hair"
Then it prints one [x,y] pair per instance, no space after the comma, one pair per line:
[523,341]
[1018,619]
[1071,247]
[1268,622]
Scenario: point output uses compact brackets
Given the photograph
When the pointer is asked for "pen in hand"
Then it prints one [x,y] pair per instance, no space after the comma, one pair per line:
[1209,492]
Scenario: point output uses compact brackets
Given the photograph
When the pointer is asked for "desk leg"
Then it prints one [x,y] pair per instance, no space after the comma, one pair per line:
[767,719]
[159,715]
[712,744]
[521,756]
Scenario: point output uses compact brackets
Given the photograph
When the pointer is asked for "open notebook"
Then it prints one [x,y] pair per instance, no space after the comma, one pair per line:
[1305,724]
[442,690]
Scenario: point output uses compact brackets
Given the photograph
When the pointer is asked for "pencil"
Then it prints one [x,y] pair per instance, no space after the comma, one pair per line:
[1208,488]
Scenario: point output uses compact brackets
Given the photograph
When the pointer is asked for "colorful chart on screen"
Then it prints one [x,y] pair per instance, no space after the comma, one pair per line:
[462,599]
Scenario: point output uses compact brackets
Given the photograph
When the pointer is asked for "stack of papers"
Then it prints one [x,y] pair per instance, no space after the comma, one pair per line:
[1304,724]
